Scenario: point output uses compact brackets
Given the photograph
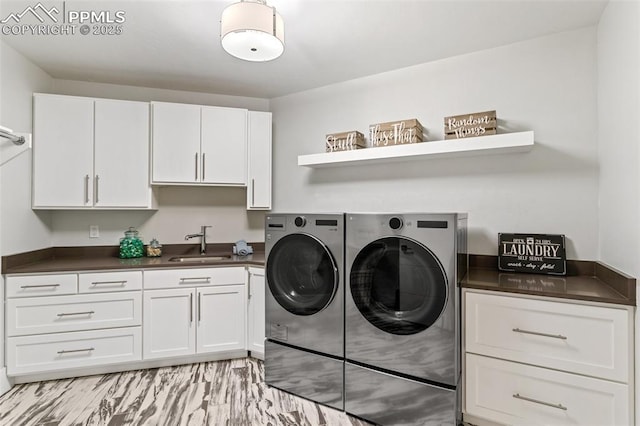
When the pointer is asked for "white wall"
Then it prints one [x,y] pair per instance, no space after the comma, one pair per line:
[618,139]
[619,135]
[547,85]
[20,228]
[181,210]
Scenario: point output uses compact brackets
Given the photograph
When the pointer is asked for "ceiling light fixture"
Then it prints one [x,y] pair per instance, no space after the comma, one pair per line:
[252,31]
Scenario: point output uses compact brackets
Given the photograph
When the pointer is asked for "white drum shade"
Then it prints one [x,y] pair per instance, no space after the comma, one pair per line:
[252,31]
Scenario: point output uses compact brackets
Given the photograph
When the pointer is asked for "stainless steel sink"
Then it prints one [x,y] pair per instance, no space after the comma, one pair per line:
[199,258]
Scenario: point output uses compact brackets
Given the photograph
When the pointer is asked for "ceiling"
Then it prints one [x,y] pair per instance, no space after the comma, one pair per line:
[175,44]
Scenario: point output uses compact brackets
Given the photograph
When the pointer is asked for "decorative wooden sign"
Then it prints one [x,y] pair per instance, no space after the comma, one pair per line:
[345,141]
[470,125]
[395,132]
[532,253]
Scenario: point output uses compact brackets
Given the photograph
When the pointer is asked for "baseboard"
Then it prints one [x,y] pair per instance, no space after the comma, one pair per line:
[5,382]
[127,366]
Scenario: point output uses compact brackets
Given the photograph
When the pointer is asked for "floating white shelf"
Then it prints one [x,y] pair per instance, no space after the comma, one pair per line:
[483,145]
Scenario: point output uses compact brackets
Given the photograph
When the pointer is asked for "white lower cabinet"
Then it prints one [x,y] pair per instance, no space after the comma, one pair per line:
[187,320]
[168,323]
[221,319]
[517,394]
[256,313]
[61,351]
[38,315]
[542,361]
[58,324]
[51,326]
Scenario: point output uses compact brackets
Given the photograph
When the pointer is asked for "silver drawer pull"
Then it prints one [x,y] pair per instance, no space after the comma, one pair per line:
[40,286]
[108,282]
[76,313]
[536,401]
[535,333]
[207,279]
[70,351]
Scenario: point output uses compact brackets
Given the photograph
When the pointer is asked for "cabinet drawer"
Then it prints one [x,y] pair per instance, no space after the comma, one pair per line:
[589,340]
[110,281]
[32,354]
[173,278]
[73,313]
[516,394]
[41,285]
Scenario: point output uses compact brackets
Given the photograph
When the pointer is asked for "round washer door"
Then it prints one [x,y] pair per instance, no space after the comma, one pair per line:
[398,285]
[302,274]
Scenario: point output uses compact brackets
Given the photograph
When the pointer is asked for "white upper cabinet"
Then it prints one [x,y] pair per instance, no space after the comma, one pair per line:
[224,146]
[259,166]
[176,143]
[62,152]
[90,153]
[121,176]
[199,145]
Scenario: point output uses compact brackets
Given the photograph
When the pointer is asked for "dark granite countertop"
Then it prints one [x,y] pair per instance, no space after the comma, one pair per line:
[585,280]
[68,259]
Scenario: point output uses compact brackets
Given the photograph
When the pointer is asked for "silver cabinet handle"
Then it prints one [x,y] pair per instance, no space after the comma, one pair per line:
[96,185]
[253,192]
[196,166]
[249,286]
[535,333]
[123,282]
[536,401]
[206,279]
[70,351]
[86,189]
[191,307]
[203,154]
[76,313]
[40,286]
[199,307]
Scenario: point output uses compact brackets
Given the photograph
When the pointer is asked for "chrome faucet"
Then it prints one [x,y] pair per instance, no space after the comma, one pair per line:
[203,238]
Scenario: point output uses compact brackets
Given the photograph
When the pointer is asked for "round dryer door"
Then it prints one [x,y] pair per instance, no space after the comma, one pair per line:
[398,285]
[302,274]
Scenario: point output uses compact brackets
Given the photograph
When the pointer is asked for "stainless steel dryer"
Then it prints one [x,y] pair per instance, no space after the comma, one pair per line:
[304,352]
[402,317]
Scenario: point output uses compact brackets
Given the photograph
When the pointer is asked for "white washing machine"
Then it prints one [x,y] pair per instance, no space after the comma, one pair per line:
[402,317]
[304,305]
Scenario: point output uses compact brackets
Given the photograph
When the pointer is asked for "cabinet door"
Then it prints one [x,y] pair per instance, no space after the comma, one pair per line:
[553,334]
[175,143]
[62,151]
[121,177]
[221,318]
[259,175]
[511,393]
[224,146]
[256,314]
[169,323]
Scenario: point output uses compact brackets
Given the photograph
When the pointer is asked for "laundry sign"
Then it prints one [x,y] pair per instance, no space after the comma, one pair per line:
[532,253]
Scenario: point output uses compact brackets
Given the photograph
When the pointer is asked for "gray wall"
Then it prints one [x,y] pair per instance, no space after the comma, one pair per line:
[618,140]
[547,85]
[20,228]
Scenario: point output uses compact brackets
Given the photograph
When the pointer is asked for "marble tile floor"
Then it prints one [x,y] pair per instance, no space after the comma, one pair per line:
[222,393]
